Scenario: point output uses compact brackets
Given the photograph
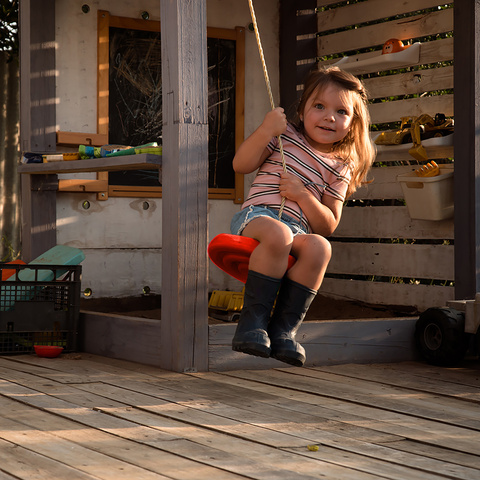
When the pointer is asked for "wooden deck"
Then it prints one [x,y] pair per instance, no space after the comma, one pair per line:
[89,417]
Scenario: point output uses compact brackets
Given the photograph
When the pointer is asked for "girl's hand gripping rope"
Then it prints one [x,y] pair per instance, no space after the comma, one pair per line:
[292,187]
[274,123]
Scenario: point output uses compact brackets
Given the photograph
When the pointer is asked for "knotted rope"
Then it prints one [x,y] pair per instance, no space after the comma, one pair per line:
[269,90]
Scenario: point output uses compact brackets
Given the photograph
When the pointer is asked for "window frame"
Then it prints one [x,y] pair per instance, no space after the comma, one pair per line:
[105,21]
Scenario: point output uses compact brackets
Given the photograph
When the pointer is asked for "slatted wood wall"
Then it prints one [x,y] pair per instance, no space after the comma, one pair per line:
[381,255]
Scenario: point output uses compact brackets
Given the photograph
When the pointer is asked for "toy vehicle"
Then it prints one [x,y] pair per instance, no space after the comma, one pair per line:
[444,335]
[416,129]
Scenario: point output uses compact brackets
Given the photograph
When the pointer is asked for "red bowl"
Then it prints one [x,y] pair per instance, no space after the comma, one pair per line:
[48,351]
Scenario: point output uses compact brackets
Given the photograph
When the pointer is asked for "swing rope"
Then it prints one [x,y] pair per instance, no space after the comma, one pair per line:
[269,90]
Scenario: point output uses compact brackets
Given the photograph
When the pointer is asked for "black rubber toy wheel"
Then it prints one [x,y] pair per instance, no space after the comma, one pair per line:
[440,336]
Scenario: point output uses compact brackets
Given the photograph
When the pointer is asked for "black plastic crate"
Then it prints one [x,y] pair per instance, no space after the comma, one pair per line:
[39,305]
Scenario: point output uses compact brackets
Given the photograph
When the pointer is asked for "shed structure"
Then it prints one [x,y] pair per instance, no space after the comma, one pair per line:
[380,254]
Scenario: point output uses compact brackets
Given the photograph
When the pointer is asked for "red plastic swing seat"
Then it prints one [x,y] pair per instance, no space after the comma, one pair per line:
[231,253]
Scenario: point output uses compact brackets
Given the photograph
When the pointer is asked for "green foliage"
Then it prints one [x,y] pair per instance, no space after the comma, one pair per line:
[8,252]
[9,28]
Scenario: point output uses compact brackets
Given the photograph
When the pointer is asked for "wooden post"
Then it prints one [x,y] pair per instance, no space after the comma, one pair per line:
[38,122]
[184,323]
[467,148]
[292,49]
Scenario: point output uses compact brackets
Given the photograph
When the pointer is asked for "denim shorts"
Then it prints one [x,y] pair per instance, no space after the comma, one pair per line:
[241,219]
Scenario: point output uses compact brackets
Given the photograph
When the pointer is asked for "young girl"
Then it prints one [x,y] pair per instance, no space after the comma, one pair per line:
[328,153]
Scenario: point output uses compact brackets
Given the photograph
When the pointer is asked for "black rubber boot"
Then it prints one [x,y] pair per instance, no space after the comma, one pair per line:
[292,305]
[251,335]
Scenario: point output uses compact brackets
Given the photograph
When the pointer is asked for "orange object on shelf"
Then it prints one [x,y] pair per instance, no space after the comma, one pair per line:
[393,45]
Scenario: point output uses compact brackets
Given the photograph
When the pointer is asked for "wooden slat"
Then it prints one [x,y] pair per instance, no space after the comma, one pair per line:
[327,342]
[393,111]
[435,148]
[463,379]
[119,330]
[436,51]
[383,183]
[372,10]
[390,222]
[441,406]
[23,463]
[406,375]
[85,185]
[125,162]
[410,83]
[77,138]
[421,25]
[430,52]
[393,260]
[385,293]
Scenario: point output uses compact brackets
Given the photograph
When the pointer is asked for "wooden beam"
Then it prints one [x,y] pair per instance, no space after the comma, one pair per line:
[77,138]
[38,121]
[184,323]
[467,148]
[291,50]
[143,161]
[288,60]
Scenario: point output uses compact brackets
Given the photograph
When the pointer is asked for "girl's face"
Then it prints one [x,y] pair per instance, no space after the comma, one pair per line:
[327,117]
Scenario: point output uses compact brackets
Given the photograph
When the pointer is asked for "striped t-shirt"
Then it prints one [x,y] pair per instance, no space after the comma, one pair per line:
[321,173]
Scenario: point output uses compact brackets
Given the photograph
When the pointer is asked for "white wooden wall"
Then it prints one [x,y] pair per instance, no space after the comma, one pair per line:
[122,240]
[411,273]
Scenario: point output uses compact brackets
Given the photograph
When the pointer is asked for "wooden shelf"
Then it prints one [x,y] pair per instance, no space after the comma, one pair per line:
[441,147]
[358,65]
[142,161]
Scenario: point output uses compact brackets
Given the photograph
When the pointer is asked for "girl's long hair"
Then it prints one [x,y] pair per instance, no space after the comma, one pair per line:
[356,148]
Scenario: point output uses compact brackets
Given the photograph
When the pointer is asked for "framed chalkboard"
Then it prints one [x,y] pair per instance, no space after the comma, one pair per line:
[129,76]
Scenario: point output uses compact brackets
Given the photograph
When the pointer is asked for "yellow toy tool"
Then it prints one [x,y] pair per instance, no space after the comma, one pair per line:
[424,127]
[431,169]
[420,127]
[416,129]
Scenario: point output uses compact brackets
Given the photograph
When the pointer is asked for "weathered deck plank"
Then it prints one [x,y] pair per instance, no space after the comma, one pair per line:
[413,418]
[461,384]
[104,418]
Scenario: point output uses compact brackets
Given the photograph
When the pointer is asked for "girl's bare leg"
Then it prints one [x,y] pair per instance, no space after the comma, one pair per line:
[313,252]
[271,256]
